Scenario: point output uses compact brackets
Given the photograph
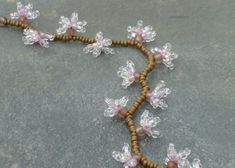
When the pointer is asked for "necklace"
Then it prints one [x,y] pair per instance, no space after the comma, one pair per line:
[69,30]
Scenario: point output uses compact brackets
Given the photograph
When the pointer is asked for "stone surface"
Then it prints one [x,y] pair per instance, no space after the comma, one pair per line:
[52,100]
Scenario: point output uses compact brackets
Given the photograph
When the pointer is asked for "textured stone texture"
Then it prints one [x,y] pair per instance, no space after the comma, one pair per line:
[52,100]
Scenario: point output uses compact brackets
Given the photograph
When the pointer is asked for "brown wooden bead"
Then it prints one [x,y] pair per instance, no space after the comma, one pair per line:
[2,21]
[130,42]
[67,38]
[134,138]
[81,39]
[78,38]
[70,37]
[90,40]
[171,164]
[139,45]
[86,39]
[119,42]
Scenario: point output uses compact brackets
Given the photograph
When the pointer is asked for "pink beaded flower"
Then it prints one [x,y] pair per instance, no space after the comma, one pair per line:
[128,73]
[141,33]
[147,123]
[72,25]
[24,12]
[156,98]
[180,158]
[165,55]
[125,157]
[101,45]
[115,106]
[33,36]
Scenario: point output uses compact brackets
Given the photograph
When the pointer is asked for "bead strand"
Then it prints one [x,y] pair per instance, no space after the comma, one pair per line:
[137,36]
[144,84]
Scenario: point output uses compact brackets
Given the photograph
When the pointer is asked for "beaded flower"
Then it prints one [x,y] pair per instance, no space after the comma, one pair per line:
[156,98]
[115,106]
[125,157]
[101,45]
[165,55]
[33,36]
[128,73]
[147,123]
[141,33]
[180,158]
[72,25]
[24,12]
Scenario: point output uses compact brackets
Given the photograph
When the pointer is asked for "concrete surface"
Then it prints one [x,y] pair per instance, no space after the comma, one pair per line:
[52,100]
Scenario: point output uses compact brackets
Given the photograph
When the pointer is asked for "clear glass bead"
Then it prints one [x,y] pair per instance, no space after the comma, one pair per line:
[101,45]
[156,98]
[71,24]
[25,12]
[125,157]
[196,163]
[115,106]
[148,122]
[33,36]
[141,33]
[128,74]
[165,55]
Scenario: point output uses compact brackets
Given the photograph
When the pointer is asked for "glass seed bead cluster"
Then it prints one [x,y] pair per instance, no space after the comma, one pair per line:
[129,157]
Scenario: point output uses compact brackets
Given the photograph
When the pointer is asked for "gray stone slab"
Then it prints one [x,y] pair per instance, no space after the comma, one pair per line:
[52,100]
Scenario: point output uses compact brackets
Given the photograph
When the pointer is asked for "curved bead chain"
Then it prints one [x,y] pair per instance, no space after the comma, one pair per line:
[156,55]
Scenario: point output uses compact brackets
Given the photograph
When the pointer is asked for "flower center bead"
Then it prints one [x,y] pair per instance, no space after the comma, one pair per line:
[172,164]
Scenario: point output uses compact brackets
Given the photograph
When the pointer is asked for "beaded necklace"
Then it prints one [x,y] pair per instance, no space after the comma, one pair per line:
[69,30]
